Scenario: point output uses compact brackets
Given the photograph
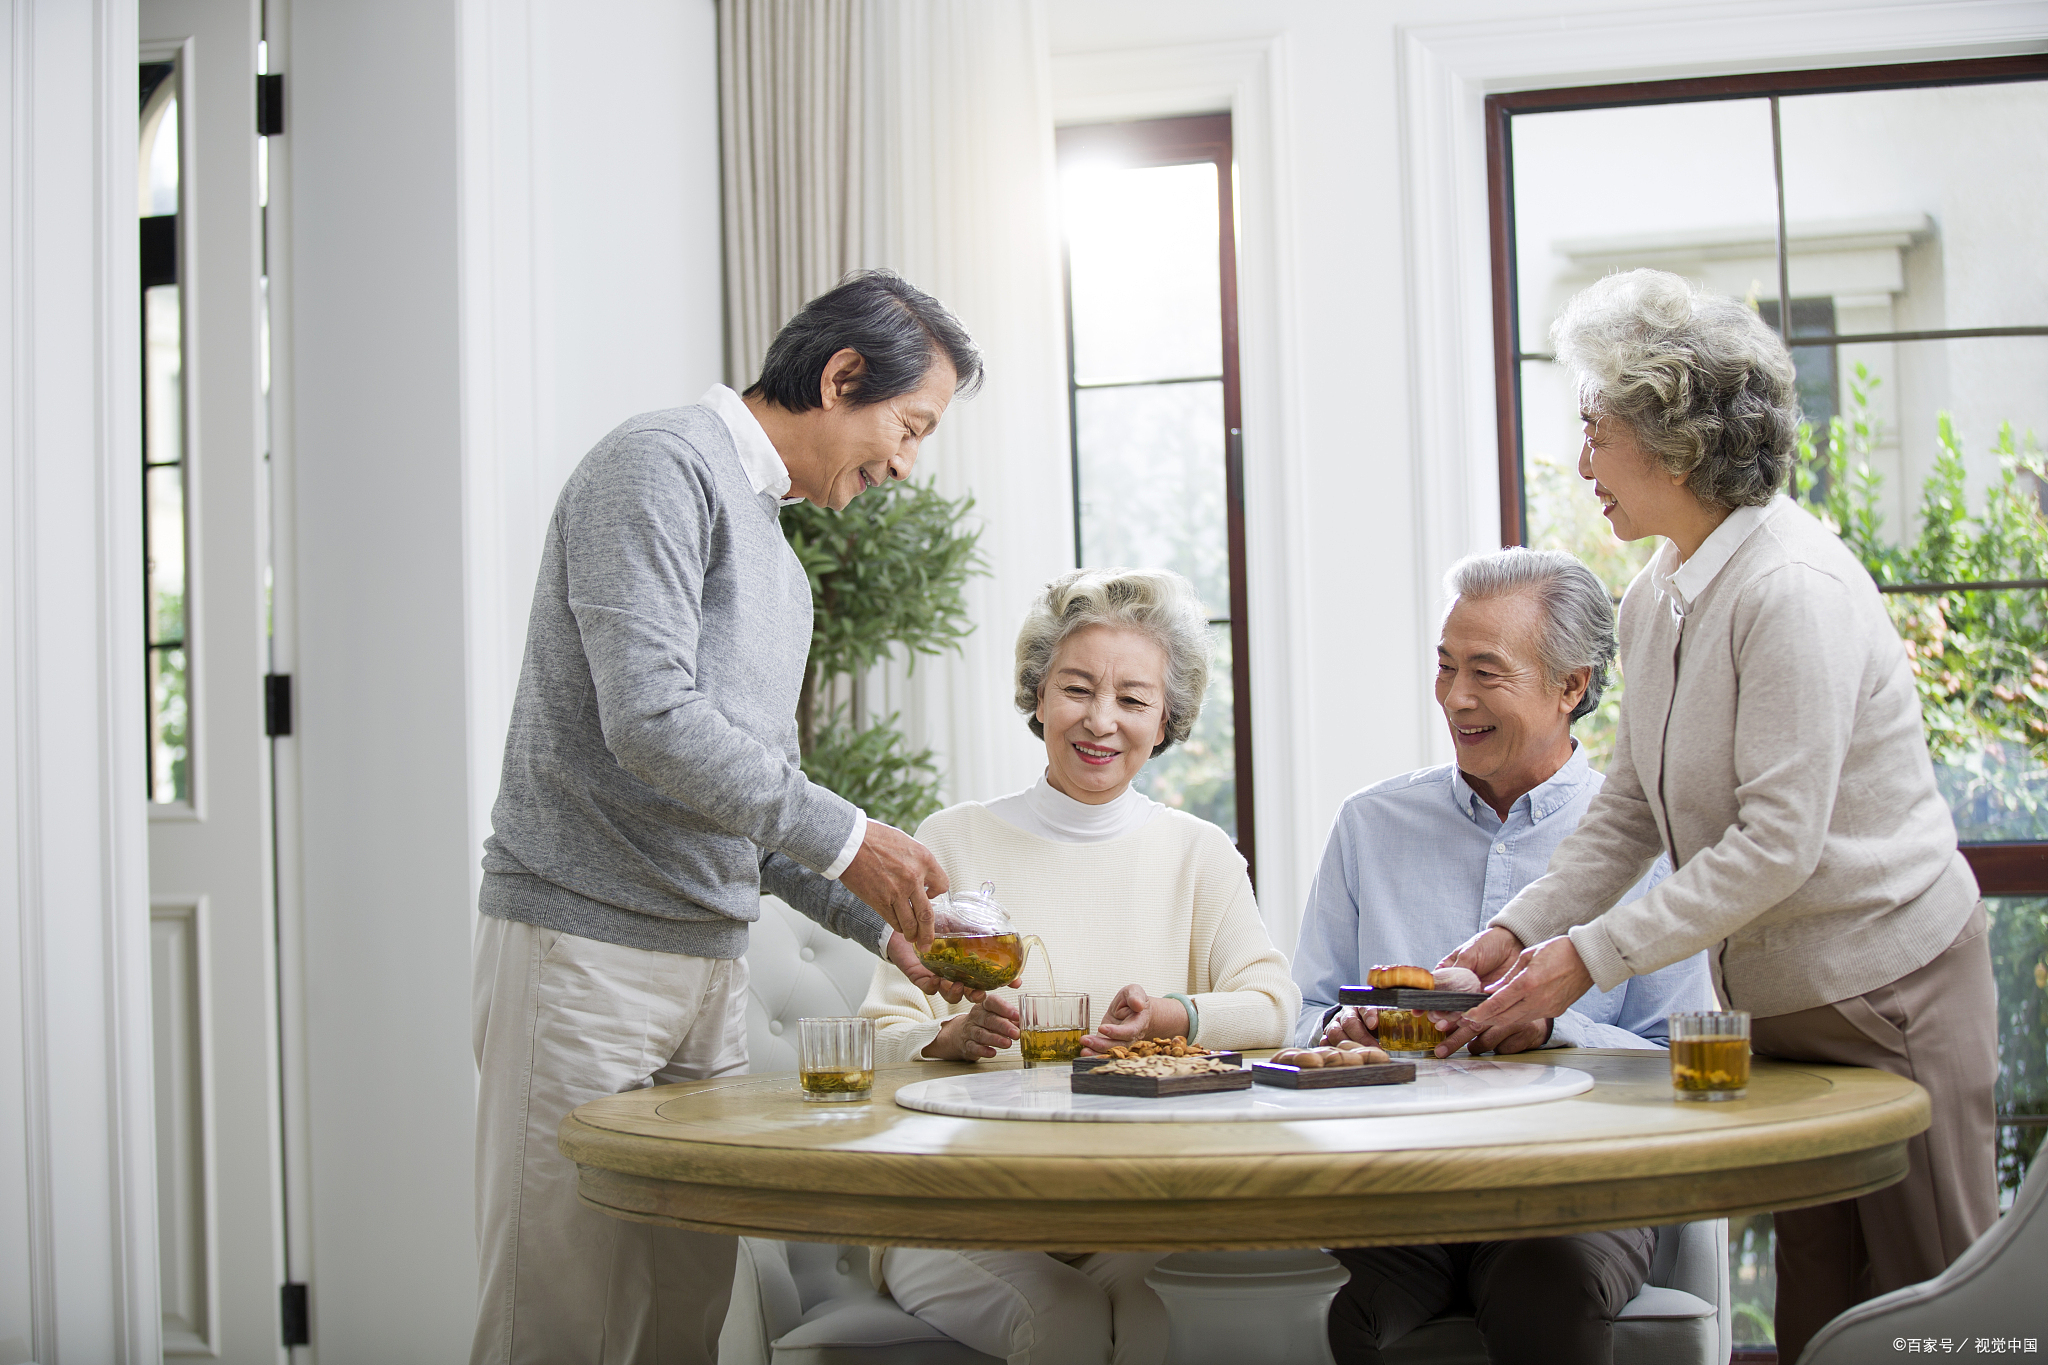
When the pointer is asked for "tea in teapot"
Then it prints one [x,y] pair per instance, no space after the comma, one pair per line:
[974,942]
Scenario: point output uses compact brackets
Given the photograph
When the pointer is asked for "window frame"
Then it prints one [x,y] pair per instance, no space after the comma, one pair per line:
[2018,868]
[1180,140]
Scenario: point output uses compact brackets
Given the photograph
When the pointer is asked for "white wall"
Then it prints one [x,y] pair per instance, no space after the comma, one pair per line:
[504,242]
[1380,240]
[77,1198]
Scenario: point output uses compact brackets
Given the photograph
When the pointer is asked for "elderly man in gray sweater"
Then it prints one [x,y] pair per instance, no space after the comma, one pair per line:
[650,793]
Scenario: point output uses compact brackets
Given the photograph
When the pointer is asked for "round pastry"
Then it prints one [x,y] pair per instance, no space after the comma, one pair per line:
[1385,977]
[1376,1057]
[1349,1046]
[1287,1056]
[1307,1058]
[1456,979]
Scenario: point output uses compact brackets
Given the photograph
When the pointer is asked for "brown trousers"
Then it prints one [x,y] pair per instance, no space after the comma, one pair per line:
[1937,1026]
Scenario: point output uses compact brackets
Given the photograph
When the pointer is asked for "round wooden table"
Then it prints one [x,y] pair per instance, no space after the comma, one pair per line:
[746,1156]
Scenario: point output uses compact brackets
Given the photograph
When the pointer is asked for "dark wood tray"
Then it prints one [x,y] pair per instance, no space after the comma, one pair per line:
[1090,1063]
[1321,1078]
[1410,998]
[1158,1087]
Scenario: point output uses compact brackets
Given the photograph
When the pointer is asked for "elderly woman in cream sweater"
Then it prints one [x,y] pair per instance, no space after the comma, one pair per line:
[1770,739]
[1146,908]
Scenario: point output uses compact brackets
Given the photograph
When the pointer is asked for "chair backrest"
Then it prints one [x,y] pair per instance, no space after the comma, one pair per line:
[1993,1289]
[796,969]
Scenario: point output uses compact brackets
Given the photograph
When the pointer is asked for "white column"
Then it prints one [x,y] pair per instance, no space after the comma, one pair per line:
[77,1198]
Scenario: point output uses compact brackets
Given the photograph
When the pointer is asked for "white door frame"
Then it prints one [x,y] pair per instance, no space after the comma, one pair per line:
[1446,73]
[78,1272]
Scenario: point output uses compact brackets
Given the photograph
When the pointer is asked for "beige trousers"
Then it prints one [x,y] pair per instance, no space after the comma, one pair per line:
[559,1020]
[1937,1026]
[1033,1308]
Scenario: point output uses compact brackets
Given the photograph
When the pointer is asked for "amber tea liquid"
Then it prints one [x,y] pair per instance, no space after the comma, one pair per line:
[851,1085]
[1710,1068]
[1407,1031]
[1043,1045]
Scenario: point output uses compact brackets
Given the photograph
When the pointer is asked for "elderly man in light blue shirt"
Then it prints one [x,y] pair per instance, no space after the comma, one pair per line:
[1418,864]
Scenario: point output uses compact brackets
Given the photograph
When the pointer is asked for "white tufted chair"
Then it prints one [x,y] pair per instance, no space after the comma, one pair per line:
[797,970]
[811,1303]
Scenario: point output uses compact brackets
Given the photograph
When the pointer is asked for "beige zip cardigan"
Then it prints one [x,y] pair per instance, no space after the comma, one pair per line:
[1771,741]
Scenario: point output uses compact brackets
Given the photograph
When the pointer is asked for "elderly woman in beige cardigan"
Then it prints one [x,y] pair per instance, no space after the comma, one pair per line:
[1770,740]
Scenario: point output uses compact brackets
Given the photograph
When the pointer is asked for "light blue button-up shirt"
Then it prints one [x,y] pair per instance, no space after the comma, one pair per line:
[1419,863]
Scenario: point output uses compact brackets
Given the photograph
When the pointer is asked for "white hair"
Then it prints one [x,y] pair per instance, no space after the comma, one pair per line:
[1578,615]
[1157,603]
[1704,384]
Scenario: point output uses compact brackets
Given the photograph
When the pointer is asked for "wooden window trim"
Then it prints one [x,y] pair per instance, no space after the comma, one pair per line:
[2004,869]
[1180,140]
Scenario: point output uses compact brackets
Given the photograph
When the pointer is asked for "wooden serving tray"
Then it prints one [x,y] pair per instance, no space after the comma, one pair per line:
[1159,1087]
[1320,1078]
[1410,998]
[1090,1063]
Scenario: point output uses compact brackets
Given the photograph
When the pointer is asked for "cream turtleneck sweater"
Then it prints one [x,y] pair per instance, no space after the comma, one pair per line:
[1132,892]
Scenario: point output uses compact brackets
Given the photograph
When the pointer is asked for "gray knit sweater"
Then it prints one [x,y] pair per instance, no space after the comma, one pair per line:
[650,789]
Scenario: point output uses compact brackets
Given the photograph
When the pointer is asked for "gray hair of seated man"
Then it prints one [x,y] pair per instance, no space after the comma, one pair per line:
[1578,615]
[1157,603]
[1706,386]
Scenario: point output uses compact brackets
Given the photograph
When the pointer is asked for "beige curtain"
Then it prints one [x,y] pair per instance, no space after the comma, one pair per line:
[917,135]
[792,94]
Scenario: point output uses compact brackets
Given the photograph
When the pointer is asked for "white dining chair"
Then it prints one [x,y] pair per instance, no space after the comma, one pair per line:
[1994,1290]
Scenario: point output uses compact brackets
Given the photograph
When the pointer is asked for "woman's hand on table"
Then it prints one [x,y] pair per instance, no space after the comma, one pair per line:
[1134,1014]
[899,952]
[1542,984]
[1488,954]
[983,1031]
[1354,1023]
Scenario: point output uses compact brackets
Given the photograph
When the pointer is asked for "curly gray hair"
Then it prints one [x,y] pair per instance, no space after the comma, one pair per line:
[1578,615]
[1701,381]
[1156,602]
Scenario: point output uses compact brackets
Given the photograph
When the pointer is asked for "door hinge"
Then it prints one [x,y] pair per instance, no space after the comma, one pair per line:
[270,104]
[277,704]
[298,1321]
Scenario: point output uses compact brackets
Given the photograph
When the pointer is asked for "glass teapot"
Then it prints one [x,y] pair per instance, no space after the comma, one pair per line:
[973,940]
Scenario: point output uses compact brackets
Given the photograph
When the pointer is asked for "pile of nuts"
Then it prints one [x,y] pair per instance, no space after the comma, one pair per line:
[1164,1064]
[1175,1046]
[1346,1053]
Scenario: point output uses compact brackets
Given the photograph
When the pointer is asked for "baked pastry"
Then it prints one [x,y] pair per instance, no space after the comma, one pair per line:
[1456,979]
[1415,977]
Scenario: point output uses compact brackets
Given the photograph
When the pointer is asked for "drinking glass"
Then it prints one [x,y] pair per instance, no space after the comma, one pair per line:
[835,1059]
[1053,1027]
[1710,1055]
[1407,1033]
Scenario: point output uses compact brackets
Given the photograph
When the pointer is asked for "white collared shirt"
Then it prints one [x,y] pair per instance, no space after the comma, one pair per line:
[758,456]
[767,473]
[1043,810]
[1682,586]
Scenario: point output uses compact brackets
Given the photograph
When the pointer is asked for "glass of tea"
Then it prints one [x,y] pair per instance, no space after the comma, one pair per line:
[1407,1033]
[1052,1028]
[1710,1055]
[835,1059]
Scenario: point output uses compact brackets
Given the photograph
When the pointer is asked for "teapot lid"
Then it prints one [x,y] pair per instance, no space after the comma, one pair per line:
[974,912]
